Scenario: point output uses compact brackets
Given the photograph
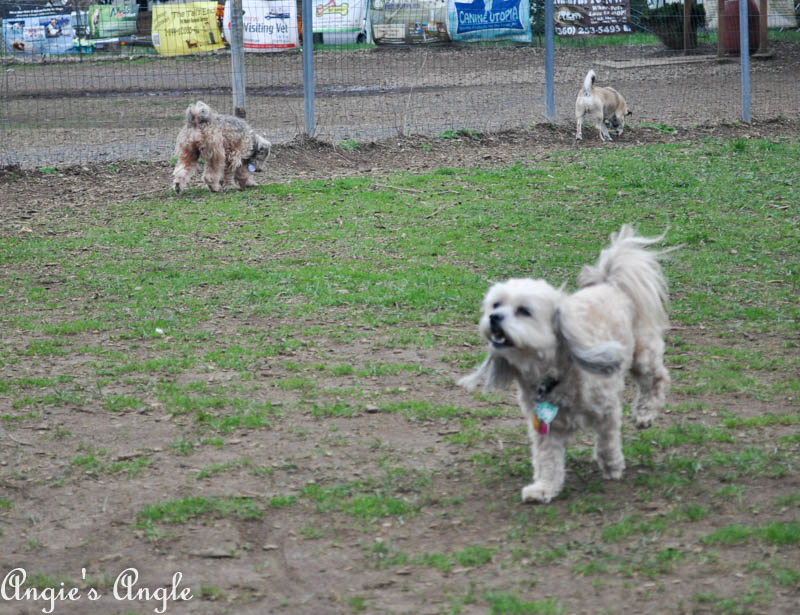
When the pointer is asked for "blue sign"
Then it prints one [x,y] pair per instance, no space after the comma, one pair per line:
[482,20]
[36,29]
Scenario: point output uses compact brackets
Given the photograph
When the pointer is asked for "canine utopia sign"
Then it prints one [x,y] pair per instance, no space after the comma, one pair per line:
[269,25]
[480,20]
[34,29]
[181,29]
[592,17]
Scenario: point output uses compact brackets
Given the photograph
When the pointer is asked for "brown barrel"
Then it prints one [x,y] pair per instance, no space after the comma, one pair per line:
[731,17]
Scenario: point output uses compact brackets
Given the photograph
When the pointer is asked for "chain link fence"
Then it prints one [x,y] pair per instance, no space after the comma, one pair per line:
[121,100]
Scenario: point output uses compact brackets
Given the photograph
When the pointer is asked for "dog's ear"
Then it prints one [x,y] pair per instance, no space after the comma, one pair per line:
[604,358]
[261,151]
[494,373]
[264,147]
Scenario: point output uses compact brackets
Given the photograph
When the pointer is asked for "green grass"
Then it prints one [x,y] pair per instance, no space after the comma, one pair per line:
[662,128]
[95,460]
[186,509]
[776,533]
[691,190]
[456,134]
[358,500]
[349,145]
[503,603]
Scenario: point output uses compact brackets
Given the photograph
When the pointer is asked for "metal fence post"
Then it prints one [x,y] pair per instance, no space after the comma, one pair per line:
[308,66]
[744,55]
[237,58]
[549,70]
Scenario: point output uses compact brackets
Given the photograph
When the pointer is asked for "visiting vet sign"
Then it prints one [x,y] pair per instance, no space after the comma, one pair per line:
[268,25]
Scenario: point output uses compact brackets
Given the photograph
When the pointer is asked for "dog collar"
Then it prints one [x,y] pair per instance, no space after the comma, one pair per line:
[544,413]
[545,387]
[253,149]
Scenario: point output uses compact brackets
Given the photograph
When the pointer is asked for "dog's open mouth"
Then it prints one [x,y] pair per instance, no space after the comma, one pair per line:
[498,337]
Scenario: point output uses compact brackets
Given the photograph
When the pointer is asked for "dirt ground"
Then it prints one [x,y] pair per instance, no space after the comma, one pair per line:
[65,114]
[276,564]
[29,193]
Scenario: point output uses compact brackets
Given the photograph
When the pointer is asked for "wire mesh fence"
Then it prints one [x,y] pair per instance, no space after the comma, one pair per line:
[121,99]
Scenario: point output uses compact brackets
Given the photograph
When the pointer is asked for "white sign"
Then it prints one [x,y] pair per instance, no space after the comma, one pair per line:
[339,15]
[269,25]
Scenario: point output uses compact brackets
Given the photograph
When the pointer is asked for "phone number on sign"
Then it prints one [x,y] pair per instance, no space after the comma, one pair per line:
[584,30]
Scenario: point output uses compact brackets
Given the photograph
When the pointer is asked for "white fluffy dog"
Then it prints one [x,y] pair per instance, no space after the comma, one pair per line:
[569,354]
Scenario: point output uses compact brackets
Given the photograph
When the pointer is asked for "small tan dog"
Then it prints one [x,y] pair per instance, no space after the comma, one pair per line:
[230,148]
[598,104]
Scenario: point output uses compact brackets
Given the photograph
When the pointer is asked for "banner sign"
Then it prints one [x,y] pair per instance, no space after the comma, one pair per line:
[483,20]
[182,29]
[408,21]
[109,20]
[269,25]
[33,29]
[592,17]
[344,16]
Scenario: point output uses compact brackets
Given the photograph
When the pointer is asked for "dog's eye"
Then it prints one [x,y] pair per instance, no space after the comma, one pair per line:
[523,311]
[496,305]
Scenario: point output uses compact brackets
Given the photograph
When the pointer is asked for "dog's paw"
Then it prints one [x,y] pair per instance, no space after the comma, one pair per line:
[612,471]
[539,493]
[644,420]
[579,137]
[612,465]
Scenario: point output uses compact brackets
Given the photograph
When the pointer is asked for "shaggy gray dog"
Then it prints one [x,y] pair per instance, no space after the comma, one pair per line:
[230,148]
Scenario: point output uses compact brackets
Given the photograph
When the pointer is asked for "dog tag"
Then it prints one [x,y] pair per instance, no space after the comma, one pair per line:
[545,413]
[252,167]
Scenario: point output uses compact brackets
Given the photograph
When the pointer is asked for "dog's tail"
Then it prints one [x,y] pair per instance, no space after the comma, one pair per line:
[588,83]
[629,266]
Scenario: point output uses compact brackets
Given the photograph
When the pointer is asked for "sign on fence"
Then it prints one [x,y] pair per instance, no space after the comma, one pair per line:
[182,29]
[107,20]
[269,25]
[340,22]
[481,20]
[592,17]
[408,21]
[33,29]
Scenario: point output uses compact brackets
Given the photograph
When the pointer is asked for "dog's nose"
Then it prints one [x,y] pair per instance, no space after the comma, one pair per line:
[495,319]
